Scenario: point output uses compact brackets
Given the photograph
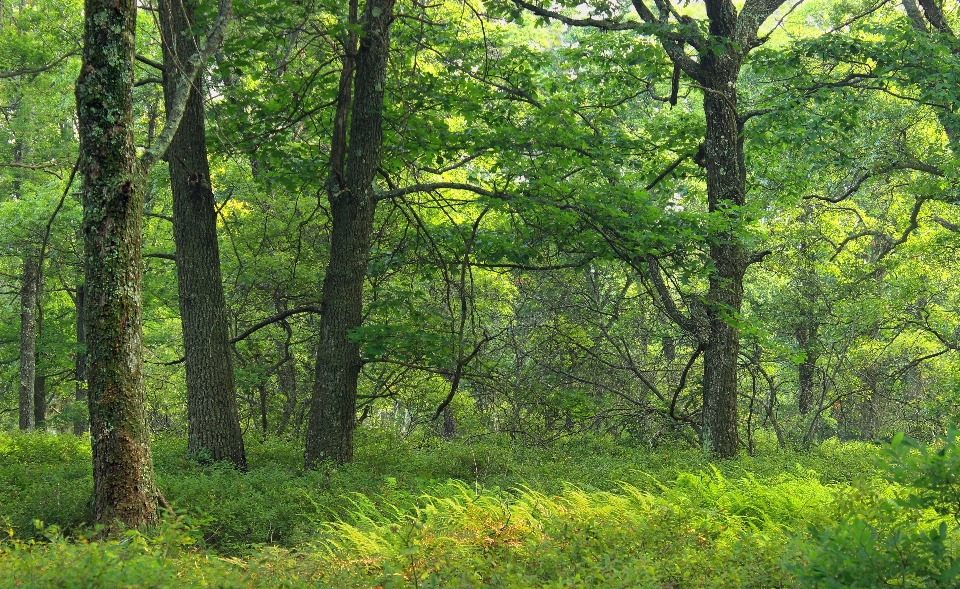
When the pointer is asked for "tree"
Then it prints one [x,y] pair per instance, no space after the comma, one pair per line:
[720,50]
[28,339]
[113,181]
[213,425]
[353,167]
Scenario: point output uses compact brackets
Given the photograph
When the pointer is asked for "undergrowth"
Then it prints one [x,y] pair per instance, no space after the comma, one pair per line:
[477,513]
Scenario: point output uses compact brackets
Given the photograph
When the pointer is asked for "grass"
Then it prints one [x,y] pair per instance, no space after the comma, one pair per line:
[489,513]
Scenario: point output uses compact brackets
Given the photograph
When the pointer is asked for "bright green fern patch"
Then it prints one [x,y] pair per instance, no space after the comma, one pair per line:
[491,514]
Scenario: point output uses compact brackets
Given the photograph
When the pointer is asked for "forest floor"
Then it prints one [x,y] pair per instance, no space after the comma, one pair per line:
[485,512]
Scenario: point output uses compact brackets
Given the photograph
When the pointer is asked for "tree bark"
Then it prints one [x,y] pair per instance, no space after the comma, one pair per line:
[286,374]
[726,192]
[717,73]
[39,379]
[28,339]
[123,479]
[40,401]
[806,336]
[80,367]
[333,406]
[213,422]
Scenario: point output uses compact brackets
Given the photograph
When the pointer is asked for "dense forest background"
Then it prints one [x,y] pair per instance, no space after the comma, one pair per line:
[566,291]
[704,225]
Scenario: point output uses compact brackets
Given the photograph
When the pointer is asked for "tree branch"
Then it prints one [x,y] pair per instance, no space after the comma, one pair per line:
[605,24]
[36,70]
[274,319]
[187,76]
[151,63]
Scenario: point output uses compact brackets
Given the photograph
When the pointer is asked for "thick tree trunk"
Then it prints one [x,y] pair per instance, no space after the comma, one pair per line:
[123,479]
[80,368]
[726,191]
[213,422]
[333,407]
[28,339]
[449,424]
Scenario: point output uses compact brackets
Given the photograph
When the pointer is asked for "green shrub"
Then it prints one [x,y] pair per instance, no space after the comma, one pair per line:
[899,534]
[45,477]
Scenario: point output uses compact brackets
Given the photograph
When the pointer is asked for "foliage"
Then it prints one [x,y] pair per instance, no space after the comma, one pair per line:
[902,534]
[590,513]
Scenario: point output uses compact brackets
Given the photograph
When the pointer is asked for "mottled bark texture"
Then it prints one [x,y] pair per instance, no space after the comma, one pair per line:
[80,367]
[28,339]
[213,424]
[333,406]
[123,479]
[726,177]
[932,20]
[716,74]
[39,379]
[806,335]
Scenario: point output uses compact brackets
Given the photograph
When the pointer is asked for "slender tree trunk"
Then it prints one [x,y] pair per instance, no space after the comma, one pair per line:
[40,401]
[213,422]
[39,380]
[123,479]
[333,407]
[28,339]
[80,367]
[262,389]
[806,335]
[449,424]
[286,376]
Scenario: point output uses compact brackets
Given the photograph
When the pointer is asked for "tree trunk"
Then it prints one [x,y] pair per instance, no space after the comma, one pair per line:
[449,424]
[123,479]
[333,407]
[286,375]
[806,335]
[726,191]
[80,368]
[40,379]
[213,422]
[28,339]
[40,401]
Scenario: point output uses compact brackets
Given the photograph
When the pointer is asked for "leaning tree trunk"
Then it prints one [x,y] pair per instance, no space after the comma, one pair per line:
[28,339]
[213,422]
[123,479]
[333,406]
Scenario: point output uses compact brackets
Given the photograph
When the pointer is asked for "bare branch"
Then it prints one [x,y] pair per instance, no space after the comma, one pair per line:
[161,255]
[154,64]
[36,70]
[666,299]
[187,76]
[274,319]
[667,172]
[48,168]
[147,81]
[605,24]
[911,227]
